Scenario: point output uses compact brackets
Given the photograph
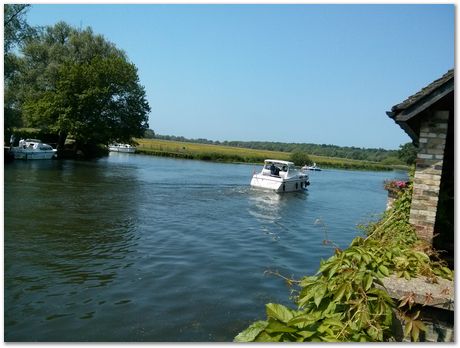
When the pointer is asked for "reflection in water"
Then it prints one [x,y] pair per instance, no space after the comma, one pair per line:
[269,208]
[82,217]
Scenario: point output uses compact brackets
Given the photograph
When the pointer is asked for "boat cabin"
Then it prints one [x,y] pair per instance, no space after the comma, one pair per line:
[278,168]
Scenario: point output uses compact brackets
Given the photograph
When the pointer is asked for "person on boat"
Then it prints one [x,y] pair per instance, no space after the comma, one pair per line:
[274,170]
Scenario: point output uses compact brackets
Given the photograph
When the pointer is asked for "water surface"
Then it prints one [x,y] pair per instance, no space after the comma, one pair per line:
[138,248]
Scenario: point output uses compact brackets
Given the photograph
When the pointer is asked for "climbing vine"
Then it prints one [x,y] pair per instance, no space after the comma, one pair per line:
[345,300]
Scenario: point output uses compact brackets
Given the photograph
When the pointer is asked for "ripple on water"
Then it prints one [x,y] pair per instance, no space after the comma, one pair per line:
[139,248]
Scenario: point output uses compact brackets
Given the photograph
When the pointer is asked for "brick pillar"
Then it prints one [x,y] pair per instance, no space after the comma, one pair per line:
[427,179]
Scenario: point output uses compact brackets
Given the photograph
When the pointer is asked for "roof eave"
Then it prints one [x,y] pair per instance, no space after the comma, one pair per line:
[424,103]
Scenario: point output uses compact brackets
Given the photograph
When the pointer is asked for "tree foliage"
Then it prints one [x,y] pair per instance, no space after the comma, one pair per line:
[300,158]
[15,25]
[16,30]
[76,83]
[407,153]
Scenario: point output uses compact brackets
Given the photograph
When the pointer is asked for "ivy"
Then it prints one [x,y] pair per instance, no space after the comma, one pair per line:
[342,302]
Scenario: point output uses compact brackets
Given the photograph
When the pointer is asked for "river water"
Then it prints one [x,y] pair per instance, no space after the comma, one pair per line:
[138,248]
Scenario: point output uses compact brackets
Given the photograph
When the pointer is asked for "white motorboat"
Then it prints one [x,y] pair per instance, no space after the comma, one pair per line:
[33,149]
[313,167]
[122,148]
[280,176]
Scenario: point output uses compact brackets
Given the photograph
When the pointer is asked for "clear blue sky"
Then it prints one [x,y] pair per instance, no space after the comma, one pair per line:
[321,74]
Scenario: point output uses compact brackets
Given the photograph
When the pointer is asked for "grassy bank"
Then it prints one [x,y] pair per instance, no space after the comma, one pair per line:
[221,153]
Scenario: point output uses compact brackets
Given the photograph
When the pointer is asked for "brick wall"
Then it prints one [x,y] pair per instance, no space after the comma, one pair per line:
[427,179]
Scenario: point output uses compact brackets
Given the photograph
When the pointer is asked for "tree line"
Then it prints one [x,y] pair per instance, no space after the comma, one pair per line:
[405,155]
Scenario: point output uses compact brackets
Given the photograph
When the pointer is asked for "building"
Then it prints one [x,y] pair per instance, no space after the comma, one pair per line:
[428,118]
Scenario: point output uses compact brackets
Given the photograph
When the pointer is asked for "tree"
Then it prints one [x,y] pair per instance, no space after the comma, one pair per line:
[149,134]
[407,153]
[300,158]
[14,25]
[16,30]
[77,83]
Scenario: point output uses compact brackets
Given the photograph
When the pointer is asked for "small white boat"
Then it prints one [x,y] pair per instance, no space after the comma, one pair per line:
[313,167]
[33,149]
[280,176]
[122,148]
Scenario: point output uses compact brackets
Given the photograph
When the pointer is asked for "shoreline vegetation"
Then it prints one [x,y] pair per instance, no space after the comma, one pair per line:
[346,300]
[226,152]
[231,154]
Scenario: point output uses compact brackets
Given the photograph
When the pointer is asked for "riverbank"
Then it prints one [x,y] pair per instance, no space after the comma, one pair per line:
[347,299]
[219,153]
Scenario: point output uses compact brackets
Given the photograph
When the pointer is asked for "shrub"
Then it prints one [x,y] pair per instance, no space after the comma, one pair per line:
[300,158]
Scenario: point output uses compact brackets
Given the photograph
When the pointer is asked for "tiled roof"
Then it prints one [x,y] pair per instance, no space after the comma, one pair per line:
[424,92]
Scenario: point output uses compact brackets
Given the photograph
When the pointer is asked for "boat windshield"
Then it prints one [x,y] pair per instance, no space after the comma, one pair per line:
[45,147]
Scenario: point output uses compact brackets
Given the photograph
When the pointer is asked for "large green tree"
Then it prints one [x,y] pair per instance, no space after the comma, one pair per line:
[76,83]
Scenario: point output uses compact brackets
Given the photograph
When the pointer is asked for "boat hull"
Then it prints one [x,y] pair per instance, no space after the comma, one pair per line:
[122,149]
[278,184]
[33,155]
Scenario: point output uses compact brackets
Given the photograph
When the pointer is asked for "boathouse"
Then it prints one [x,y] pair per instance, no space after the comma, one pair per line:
[428,118]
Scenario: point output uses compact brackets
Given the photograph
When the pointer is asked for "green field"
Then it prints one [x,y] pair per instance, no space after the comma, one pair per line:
[220,153]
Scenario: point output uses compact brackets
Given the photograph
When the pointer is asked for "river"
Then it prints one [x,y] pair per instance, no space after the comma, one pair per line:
[137,248]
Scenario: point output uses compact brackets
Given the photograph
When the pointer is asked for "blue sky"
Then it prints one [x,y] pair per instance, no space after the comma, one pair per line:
[321,74]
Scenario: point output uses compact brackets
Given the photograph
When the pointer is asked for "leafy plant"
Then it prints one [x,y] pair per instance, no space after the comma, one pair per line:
[300,158]
[342,302]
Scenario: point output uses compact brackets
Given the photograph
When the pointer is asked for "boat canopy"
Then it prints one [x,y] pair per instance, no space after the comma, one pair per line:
[279,161]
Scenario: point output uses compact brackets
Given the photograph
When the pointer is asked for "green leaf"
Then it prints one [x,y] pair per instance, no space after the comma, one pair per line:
[250,334]
[330,338]
[324,267]
[333,322]
[368,280]
[319,294]
[341,291]
[308,281]
[384,270]
[406,275]
[447,270]
[333,270]
[373,333]
[408,328]
[265,337]
[366,258]
[275,326]
[279,312]
[304,319]
[357,241]
[306,334]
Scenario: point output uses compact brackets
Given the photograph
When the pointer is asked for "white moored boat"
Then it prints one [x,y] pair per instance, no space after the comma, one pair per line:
[122,148]
[313,167]
[280,176]
[33,149]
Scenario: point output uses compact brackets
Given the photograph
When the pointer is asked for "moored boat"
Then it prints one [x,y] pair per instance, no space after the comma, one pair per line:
[280,176]
[313,167]
[122,148]
[32,149]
